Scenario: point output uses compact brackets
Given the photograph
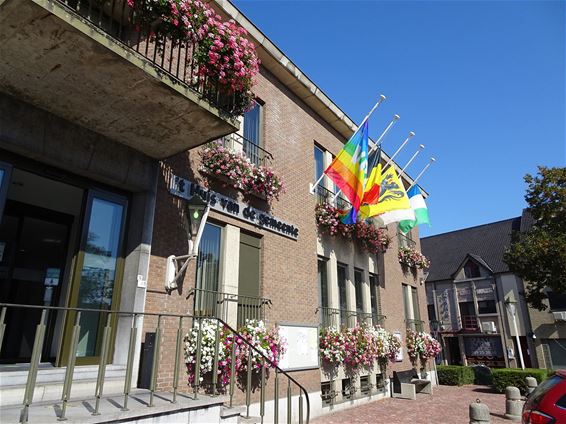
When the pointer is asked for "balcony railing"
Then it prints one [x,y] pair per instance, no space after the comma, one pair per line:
[176,58]
[323,195]
[227,306]
[168,328]
[336,318]
[470,323]
[415,324]
[256,154]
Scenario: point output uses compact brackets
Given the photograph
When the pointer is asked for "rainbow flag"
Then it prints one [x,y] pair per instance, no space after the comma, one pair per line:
[349,169]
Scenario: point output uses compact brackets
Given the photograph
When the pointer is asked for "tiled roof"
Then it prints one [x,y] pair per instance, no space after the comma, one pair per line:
[486,243]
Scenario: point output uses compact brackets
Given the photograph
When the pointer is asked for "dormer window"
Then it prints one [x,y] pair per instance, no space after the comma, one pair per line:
[471,270]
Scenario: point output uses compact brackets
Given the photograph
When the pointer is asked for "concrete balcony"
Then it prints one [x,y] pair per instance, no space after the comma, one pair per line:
[84,61]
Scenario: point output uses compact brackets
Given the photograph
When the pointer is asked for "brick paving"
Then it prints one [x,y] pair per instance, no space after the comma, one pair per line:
[448,405]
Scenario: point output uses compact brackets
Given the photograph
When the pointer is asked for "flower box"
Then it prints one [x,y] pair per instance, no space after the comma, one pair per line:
[239,172]
[413,258]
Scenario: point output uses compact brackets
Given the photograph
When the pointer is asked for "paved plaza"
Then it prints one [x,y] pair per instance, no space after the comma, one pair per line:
[448,405]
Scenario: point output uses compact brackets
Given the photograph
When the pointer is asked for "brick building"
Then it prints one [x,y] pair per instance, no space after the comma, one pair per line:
[91,209]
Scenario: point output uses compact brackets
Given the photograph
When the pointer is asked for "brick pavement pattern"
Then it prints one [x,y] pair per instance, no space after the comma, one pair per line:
[448,404]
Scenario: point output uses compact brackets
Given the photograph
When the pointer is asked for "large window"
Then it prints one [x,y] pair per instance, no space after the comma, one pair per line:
[415,301]
[471,270]
[557,352]
[374,294]
[557,301]
[342,299]
[359,281]
[323,282]
[318,162]
[252,124]
[486,307]
[208,263]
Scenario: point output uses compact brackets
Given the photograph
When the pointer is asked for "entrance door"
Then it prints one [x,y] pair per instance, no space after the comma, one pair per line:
[33,251]
[98,273]
[455,356]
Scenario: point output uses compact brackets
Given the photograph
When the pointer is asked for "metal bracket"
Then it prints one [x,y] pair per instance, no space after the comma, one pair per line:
[173,271]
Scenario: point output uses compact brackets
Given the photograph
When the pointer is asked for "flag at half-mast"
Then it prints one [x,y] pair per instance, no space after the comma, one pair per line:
[392,196]
[419,207]
[349,169]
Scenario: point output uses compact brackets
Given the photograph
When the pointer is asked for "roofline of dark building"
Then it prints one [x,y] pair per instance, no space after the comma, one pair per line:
[470,228]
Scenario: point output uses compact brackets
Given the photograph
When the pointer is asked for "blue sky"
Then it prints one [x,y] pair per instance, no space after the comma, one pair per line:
[482,84]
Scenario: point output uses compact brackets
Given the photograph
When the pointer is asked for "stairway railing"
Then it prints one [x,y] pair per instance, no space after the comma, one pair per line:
[161,324]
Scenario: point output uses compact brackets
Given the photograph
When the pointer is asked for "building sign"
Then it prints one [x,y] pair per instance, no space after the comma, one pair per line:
[485,293]
[465,294]
[443,307]
[226,205]
[483,346]
[302,347]
[399,355]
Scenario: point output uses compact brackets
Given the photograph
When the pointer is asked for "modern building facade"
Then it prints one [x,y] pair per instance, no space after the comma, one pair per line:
[99,152]
[471,296]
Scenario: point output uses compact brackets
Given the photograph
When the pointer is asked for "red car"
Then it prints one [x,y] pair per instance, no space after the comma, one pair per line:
[547,404]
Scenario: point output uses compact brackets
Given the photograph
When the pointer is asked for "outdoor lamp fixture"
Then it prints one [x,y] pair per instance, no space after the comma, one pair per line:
[196,213]
[511,305]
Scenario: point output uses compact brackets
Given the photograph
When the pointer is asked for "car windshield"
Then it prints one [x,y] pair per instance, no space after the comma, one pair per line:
[537,395]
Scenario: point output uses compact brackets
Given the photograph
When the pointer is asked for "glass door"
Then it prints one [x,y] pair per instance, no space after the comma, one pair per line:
[98,272]
[5,173]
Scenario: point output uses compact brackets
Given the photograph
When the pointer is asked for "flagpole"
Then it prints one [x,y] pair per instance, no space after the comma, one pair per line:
[421,173]
[411,134]
[373,109]
[375,146]
[421,147]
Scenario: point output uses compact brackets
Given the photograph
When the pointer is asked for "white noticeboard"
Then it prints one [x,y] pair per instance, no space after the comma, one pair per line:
[302,347]
[399,356]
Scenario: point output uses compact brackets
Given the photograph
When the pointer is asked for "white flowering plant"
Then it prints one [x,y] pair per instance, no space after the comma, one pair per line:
[267,343]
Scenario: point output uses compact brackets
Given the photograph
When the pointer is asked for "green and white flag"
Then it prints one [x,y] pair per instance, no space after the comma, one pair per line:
[421,212]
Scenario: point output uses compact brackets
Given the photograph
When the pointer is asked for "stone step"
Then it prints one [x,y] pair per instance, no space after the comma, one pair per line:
[205,409]
[49,383]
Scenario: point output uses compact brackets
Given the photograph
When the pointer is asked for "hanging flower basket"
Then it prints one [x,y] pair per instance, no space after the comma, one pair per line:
[413,258]
[241,174]
[421,346]
[372,240]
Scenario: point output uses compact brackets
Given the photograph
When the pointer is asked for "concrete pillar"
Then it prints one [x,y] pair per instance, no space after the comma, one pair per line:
[513,403]
[479,413]
[229,270]
[462,350]
[351,294]
[332,275]
[366,292]
[531,384]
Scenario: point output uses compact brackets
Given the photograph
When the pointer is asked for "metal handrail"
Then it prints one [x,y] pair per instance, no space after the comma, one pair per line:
[335,317]
[324,195]
[105,350]
[415,324]
[212,303]
[253,151]
[135,33]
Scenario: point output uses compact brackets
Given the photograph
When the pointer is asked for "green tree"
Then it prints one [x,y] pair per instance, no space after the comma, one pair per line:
[538,255]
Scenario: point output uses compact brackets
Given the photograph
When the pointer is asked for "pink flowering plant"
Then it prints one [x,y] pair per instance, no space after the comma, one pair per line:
[222,162]
[421,345]
[221,51]
[328,221]
[413,258]
[372,240]
[358,347]
[266,342]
